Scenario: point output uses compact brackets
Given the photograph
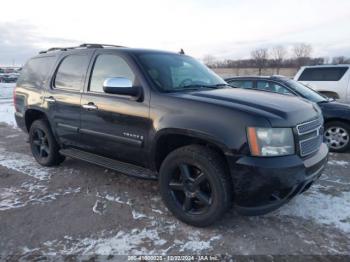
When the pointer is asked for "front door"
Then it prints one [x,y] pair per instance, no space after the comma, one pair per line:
[112,125]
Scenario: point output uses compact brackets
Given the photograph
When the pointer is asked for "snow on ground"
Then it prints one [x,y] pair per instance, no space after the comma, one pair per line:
[119,244]
[24,164]
[6,90]
[34,191]
[6,104]
[321,208]
[338,163]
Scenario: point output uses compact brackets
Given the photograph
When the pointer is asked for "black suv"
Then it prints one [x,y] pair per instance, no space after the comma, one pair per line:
[165,116]
[336,115]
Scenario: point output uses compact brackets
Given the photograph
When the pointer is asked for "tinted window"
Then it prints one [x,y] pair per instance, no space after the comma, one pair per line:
[109,66]
[242,83]
[35,72]
[323,74]
[271,87]
[71,72]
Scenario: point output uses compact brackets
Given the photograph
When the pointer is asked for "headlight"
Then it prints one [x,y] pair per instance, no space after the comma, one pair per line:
[270,141]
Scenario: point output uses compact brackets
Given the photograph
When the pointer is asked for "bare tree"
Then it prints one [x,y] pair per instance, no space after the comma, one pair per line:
[340,60]
[302,53]
[278,54]
[326,60]
[260,57]
[209,60]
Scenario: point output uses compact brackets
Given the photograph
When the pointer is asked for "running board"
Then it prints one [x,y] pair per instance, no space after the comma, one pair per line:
[125,168]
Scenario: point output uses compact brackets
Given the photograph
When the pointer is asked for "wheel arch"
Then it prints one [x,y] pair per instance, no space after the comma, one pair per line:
[337,119]
[33,114]
[170,139]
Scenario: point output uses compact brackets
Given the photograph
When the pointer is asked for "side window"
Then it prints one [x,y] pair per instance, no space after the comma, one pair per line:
[35,72]
[271,87]
[71,72]
[242,83]
[109,66]
[323,74]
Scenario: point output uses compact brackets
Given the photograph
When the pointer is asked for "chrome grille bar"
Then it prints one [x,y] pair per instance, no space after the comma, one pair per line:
[310,136]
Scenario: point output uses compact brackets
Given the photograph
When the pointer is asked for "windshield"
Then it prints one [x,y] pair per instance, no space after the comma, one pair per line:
[175,72]
[306,92]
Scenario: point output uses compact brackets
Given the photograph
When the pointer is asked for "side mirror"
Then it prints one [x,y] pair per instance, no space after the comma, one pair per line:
[120,86]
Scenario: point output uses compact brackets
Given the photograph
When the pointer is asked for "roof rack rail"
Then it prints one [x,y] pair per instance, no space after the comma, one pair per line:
[85,45]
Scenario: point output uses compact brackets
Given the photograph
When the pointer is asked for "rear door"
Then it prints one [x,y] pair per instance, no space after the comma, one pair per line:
[113,125]
[63,97]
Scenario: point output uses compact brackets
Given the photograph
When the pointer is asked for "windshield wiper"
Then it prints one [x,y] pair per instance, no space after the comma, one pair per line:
[221,85]
[205,86]
[198,86]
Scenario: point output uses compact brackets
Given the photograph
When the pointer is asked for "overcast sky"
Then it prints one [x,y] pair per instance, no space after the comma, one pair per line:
[222,28]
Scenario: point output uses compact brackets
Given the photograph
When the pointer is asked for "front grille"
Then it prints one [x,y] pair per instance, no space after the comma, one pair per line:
[310,136]
[309,126]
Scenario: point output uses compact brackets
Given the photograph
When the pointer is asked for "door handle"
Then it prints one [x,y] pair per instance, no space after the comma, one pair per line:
[49,99]
[90,106]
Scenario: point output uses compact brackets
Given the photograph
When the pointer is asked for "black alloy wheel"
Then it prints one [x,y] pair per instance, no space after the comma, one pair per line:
[195,185]
[191,189]
[43,144]
[40,145]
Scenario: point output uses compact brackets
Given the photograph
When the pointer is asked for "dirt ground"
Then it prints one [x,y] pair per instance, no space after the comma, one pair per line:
[82,209]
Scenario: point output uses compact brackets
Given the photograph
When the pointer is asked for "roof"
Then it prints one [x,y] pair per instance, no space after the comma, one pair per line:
[104,46]
[317,66]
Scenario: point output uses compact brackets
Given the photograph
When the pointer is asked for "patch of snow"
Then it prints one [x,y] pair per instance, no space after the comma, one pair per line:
[137,215]
[99,207]
[114,198]
[12,136]
[338,163]
[157,211]
[321,208]
[9,198]
[195,244]
[24,164]
[30,193]
[6,90]
[123,243]
[7,113]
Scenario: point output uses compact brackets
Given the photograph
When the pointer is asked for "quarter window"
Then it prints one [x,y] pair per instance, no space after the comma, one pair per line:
[107,66]
[35,72]
[323,74]
[71,72]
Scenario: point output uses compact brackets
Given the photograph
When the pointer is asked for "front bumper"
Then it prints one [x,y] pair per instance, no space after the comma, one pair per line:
[262,185]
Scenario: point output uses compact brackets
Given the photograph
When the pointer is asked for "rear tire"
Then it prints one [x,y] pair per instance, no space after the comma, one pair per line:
[337,136]
[43,144]
[195,185]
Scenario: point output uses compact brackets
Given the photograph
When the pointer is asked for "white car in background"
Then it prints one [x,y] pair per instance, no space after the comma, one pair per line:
[330,80]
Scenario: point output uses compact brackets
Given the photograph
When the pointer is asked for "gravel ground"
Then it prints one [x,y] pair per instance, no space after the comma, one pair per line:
[82,209]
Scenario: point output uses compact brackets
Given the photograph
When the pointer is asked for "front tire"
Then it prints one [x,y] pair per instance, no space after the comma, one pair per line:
[43,144]
[195,185]
[337,136]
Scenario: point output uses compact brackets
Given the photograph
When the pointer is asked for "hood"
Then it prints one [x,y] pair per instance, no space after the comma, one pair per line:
[280,110]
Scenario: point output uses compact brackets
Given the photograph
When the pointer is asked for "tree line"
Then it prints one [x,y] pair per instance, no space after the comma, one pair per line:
[277,57]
